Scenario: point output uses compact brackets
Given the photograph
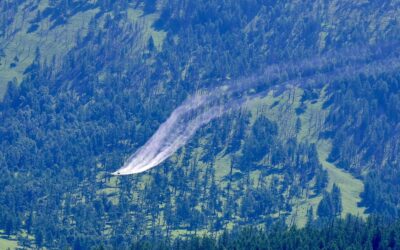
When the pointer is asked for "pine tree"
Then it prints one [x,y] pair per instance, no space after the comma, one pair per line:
[336,200]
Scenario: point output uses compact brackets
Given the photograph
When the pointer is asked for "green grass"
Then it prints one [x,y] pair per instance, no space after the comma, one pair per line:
[59,40]
[312,122]
[6,243]
[350,187]
[55,42]
[12,242]
[284,114]
[146,21]
[222,167]
[300,208]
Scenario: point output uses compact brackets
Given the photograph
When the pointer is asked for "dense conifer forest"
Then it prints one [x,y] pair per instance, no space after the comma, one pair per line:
[84,84]
[349,233]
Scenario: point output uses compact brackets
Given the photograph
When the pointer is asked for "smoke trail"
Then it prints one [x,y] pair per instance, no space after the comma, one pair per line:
[200,109]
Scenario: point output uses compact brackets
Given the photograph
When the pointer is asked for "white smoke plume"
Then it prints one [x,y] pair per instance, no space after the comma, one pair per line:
[201,108]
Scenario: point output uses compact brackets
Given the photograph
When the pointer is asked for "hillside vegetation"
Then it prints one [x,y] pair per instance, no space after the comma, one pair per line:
[85,83]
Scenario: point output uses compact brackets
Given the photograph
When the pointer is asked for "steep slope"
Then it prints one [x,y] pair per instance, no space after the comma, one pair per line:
[65,125]
[48,30]
[307,126]
[35,28]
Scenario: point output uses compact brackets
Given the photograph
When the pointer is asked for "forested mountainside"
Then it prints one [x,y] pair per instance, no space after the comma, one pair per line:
[86,83]
[349,233]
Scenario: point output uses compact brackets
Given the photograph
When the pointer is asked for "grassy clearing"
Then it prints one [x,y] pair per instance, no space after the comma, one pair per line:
[21,47]
[300,208]
[7,243]
[222,167]
[282,109]
[312,121]
[146,22]
[350,187]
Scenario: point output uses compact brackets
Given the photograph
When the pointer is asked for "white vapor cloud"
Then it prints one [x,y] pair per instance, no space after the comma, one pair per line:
[201,108]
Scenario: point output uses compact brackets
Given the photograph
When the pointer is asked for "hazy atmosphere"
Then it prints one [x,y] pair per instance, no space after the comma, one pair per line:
[234,124]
